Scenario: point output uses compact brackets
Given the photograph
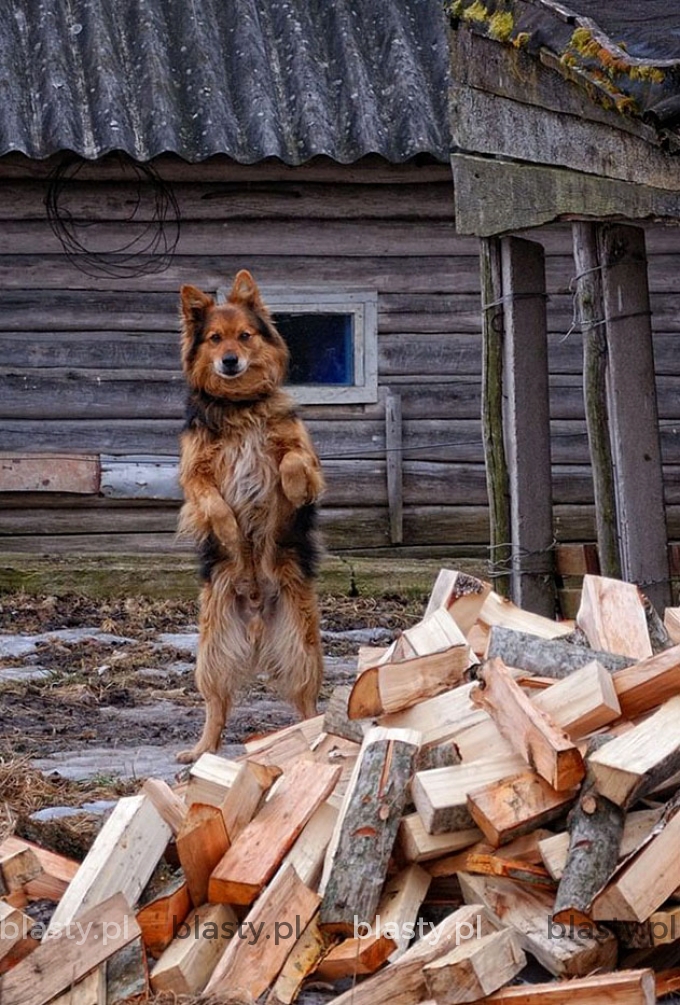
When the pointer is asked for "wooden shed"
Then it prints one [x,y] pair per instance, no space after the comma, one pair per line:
[309,142]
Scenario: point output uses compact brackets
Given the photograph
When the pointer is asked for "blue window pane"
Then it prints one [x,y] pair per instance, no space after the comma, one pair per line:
[321,347]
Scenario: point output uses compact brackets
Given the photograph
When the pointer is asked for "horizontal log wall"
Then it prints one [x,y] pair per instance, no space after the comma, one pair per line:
[91,364]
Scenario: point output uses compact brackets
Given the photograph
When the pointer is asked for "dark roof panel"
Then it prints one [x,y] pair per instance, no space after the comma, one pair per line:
[650,29]
[248,78]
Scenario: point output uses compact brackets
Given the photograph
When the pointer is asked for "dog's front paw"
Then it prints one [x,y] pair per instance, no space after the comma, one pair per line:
[225,528]
[296,480]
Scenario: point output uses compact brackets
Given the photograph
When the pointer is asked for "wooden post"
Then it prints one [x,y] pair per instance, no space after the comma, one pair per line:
[633,416]
[492,411]
[527,425]
[393,447]
[590,311]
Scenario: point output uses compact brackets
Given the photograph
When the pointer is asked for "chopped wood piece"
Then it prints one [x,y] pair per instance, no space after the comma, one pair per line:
[308,853]
[584,701]
[159,917]
[462,595]
[125,853]
[18,863]
[258,850]
[201,844]
[404,980]
[649,683]
[627,987]
[416,845]
[644,882]
[304,958]
[57,873]
[127,974]
[595,832]
[337,752]
[631,765]
[310,729]
[435,633]
[91,990]
[532,733]
[60,961]
[636,829]
[16,940]
[658,633]
[564,952]
[514,806]
[440,795]
[366,829]
[498,610]
[246,795]
[440,718]
[386,935]
[186,965]
[336,720]
[552,658]
[612,614]
[171,807]
[475,969]
[671,620]
[485,864]
[392,687]
[369,656]
[522,850]
[210,779]
[272,926]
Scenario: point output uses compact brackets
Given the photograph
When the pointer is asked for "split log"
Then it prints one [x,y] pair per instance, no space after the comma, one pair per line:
[486,864]
[533,735]
[127,974]
[515,806]
[671,620]
[612,614]
[287,745]
[124,855]
[499,611]
[656,629]
[257,852]
[462,595]
[60,961]
[187,964]
[387,935]
[626,987]
[246,795]
[273,925]
[336,720]
[475,969]
[159,917]
[16,940]
[440,795]
[303,960]
[643,883]
[366,829]
[633,764]
[210,779]
[595,833]
[18,864]
[523,850]
[392,687]
[637,827]
[337,752]
[57,871]
[201,844]
[649,683]
[549,658]
[308,853]
[404,981]
[416,845]
[91,990]
[438,719]
[581,703]
[435,633]
[170,806]
[564,952]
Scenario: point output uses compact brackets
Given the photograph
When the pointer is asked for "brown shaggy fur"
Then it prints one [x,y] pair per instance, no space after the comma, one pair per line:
[250,478]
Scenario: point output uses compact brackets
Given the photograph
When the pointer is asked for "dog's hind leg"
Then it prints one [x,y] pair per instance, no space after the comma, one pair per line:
[291,652]
[223,658]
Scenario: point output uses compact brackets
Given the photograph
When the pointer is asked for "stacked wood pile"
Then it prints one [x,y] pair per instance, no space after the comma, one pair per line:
[520,775]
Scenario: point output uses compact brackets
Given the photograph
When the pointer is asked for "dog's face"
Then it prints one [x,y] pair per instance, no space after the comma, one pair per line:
[231,350]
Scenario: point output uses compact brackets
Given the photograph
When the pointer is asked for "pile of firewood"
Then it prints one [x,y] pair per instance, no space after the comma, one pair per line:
[529,768]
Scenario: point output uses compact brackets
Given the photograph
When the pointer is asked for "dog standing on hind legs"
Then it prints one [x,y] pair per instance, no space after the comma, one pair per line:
[251,479]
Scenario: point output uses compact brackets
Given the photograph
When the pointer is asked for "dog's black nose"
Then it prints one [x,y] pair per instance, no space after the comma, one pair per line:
[230,362]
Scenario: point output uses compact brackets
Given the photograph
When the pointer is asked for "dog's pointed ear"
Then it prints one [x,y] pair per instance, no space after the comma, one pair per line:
[245,293]
[194,303]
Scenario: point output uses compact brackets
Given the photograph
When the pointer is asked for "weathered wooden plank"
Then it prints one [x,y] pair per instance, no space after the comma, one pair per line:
[527,425]
[633,413]
[49,473]
[395,465]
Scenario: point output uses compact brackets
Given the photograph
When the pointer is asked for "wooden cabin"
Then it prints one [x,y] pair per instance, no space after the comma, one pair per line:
[164,147]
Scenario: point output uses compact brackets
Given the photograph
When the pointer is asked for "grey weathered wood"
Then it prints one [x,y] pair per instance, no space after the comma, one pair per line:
[489,124]
[497,480]
[395,463]
[590,311]
[527,425]
[633,412]
[547,658]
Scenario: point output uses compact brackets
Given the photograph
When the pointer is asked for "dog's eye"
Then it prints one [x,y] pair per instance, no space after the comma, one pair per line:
[215,337]
[244,336]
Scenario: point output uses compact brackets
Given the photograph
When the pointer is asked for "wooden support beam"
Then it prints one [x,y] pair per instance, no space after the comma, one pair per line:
[394,465]
[633,413]
[527,425]
[497,478]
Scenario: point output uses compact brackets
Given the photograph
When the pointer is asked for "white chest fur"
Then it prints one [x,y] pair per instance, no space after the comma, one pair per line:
[249,472]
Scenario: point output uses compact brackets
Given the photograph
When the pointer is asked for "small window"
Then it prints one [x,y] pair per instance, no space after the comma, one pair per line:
[332,337]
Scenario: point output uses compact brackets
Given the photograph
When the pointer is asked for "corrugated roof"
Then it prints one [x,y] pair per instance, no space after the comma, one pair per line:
[650,29]
[247,78]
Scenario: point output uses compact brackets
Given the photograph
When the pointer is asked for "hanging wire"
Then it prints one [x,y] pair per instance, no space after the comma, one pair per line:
[152,241]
